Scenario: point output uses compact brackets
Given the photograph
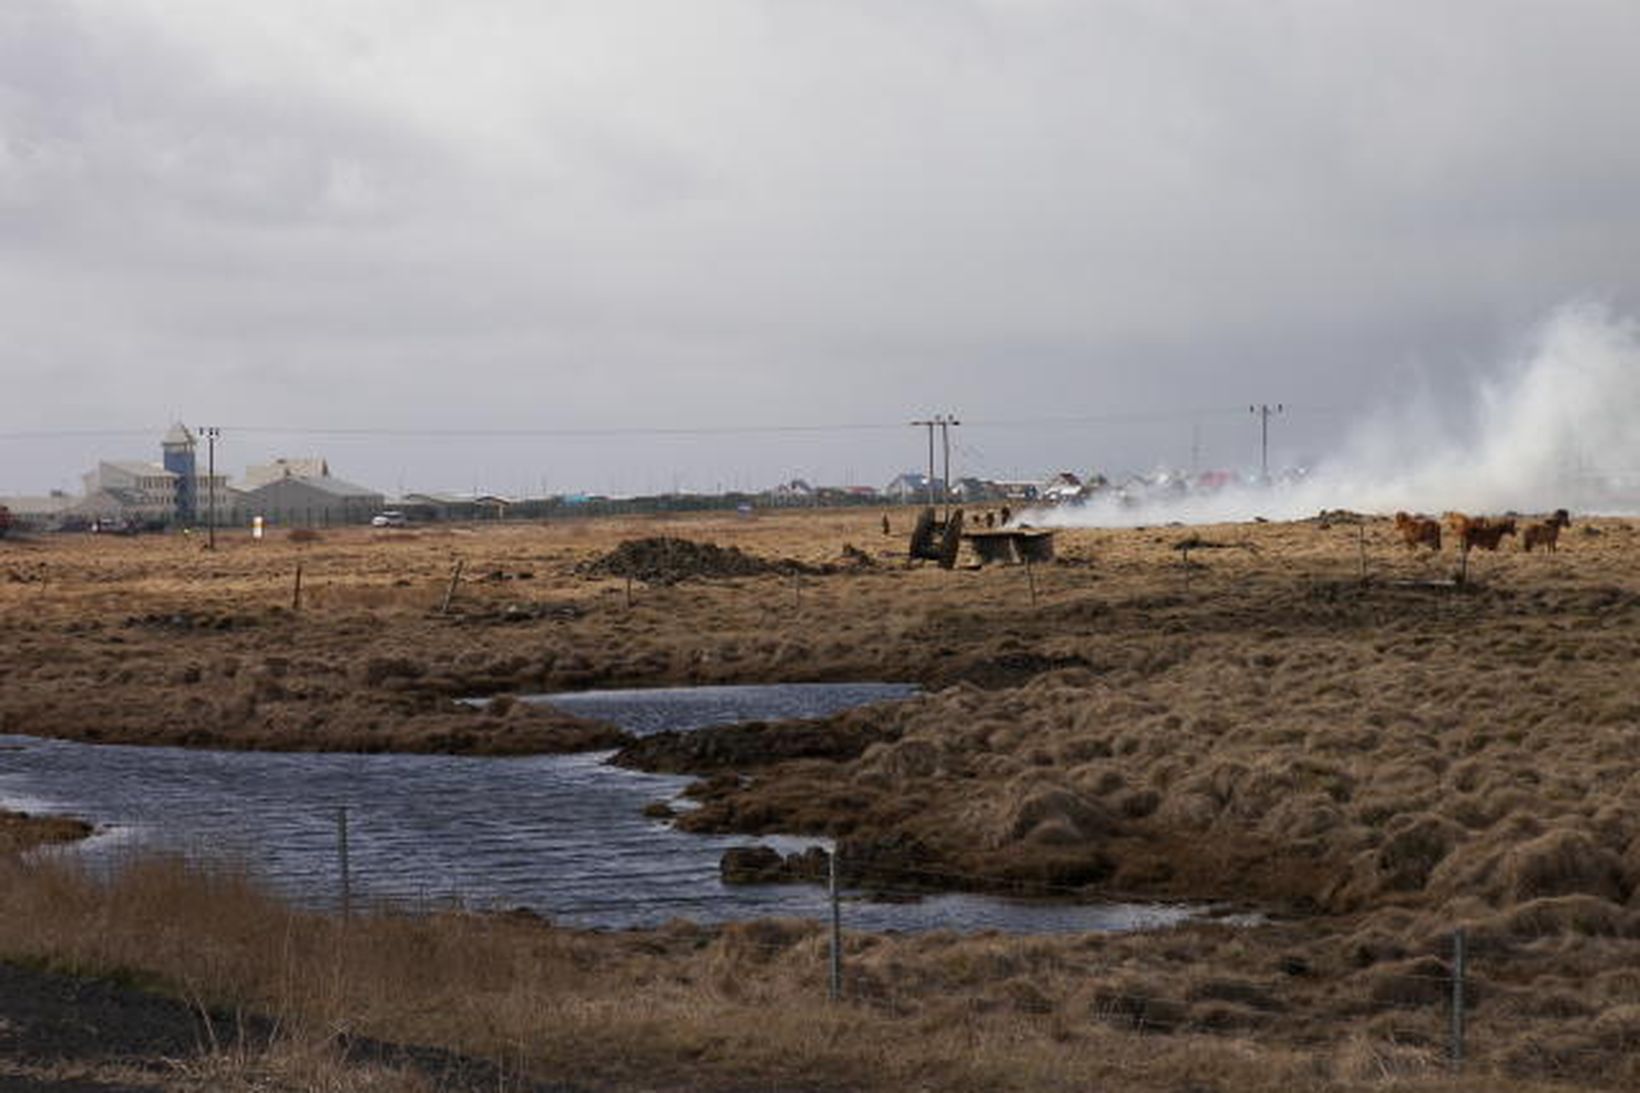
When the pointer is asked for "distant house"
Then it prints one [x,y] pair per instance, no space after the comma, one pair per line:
[972,490]
[261,474]
[795,492]
[319,501]
[1063,486]
[912,487]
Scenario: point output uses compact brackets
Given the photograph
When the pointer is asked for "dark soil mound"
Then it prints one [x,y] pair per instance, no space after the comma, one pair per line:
[753,744]
[663,560]
[49,1018]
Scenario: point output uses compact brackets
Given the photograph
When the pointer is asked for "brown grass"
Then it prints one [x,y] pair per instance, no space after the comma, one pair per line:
[1383,760]
[687,1007]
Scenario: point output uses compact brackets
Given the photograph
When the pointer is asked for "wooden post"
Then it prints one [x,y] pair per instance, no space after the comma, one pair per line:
[836,932]
[1459,970]
[341,854]
[450,592]
[1030,578]
[296,592]
[629,591]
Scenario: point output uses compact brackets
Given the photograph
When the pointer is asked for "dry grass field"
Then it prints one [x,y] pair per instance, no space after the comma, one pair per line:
[1307,719]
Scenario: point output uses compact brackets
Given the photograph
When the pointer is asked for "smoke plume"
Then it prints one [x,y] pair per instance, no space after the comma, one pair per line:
[1555,428]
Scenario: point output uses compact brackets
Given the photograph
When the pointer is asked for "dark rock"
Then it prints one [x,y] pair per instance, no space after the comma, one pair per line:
[751,865]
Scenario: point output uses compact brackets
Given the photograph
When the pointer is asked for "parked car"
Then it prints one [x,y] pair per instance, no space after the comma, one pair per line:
[389,519]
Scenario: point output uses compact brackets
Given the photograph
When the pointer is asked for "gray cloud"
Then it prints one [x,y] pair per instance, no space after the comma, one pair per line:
[516,215]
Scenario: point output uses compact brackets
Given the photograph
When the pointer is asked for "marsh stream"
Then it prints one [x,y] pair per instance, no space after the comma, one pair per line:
[564,836]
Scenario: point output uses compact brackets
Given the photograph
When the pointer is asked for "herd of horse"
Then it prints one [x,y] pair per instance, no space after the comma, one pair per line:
[1486,532]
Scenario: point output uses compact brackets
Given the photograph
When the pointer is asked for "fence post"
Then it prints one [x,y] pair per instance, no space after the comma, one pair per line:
[296,592]
[836,932]
[1459,970]
[450,592]
[341,853]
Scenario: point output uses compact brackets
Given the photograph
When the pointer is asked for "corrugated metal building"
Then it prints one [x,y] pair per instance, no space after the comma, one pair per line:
[311,502]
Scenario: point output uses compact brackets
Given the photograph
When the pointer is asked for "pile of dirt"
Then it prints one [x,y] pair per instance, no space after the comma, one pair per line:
[665,560]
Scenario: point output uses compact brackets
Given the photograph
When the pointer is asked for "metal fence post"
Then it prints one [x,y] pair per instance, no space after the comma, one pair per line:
[1459,970]
[836,933]
[341,852]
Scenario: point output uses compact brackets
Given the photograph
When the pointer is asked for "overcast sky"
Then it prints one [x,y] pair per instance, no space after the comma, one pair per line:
[1094,230]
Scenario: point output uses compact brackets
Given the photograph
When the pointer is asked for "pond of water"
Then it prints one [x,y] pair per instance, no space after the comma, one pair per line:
[561,835]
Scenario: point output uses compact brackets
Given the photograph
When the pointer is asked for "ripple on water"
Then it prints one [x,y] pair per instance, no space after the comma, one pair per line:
[562,835]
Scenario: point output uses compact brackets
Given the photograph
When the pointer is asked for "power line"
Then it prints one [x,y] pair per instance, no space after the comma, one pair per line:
[63,434]
[416,432]
[610,431]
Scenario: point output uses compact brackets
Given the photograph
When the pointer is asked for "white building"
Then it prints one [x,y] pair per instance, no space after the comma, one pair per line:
[261,474]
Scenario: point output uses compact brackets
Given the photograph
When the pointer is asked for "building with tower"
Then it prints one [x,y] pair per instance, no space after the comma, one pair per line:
[178,449]
[142,492]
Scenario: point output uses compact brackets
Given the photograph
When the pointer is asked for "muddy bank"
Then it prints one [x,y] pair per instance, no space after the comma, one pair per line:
[273,704]
[756,744]
[20,831]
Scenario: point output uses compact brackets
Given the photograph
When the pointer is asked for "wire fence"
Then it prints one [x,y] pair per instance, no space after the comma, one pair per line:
[1476,1001]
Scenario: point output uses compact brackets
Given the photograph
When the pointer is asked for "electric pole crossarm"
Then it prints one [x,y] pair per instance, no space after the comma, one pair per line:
[929,424]
[212,432]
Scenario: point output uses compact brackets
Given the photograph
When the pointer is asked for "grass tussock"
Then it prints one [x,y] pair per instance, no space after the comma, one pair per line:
[1384,758]
[679,1007]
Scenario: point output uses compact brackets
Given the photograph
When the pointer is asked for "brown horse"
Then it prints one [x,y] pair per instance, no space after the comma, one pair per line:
[1545,533]
[1418,531]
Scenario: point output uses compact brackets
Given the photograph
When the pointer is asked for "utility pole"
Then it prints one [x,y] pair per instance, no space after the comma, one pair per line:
[945,423]
[929,424]
[211,433]
[1264,410]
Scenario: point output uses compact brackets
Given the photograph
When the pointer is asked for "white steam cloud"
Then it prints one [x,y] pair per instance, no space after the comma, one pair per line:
[1559,428]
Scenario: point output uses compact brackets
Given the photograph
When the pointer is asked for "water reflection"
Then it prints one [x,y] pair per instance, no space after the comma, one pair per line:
[561,835]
